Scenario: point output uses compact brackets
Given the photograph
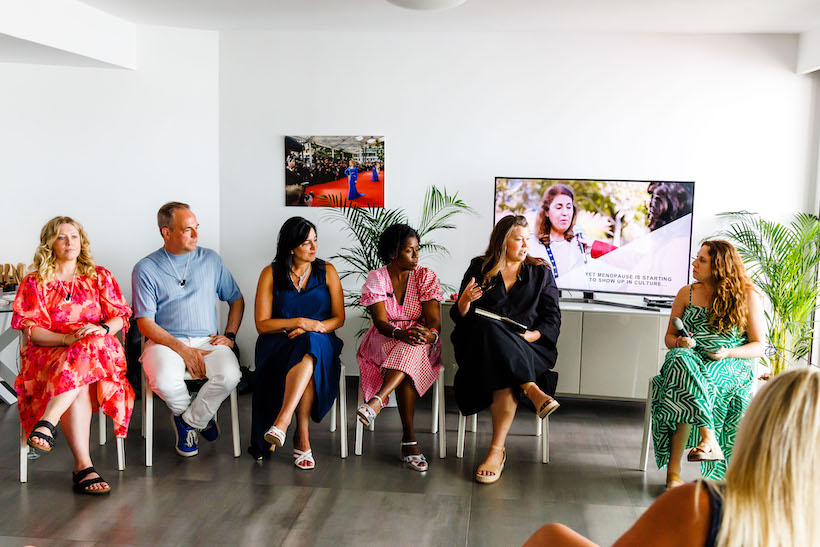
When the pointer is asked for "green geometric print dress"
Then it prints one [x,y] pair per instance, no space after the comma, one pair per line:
[693,389]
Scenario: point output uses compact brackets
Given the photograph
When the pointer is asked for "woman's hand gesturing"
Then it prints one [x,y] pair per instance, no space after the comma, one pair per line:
[472,292]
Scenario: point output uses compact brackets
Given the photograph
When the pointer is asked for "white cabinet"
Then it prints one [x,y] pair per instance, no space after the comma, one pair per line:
[603,352]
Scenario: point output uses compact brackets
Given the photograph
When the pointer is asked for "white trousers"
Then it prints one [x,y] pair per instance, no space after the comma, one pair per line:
[165,370]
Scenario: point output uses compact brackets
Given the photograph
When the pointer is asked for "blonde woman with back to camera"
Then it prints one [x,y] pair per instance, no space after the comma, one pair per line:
[769,495]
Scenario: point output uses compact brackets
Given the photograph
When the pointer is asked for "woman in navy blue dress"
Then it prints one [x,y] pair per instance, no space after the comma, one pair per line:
[299,303]
[352,173]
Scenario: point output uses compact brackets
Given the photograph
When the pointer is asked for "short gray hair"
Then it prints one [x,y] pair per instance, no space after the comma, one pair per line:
[165,215]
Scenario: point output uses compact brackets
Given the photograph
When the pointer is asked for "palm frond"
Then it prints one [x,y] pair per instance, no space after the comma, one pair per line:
[364,225]
[782,260]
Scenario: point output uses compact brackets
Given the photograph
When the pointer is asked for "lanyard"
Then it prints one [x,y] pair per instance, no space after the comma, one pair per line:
[552,258]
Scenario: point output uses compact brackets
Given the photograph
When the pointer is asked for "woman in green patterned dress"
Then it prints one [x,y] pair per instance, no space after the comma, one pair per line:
[705,383]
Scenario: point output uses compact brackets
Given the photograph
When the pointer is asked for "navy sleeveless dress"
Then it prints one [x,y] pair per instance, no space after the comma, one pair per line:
[276,355]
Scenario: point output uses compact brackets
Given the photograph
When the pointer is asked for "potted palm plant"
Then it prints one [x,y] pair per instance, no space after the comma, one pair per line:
[364,225]
[782,260]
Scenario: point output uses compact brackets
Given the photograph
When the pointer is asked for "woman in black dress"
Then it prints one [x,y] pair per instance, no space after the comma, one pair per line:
[498,366]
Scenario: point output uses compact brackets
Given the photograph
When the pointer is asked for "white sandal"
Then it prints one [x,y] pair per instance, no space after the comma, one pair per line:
[416,462]
[366,413]
[275,436]
[304,460]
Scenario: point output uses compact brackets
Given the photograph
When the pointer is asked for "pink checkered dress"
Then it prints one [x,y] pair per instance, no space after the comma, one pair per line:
[378,352]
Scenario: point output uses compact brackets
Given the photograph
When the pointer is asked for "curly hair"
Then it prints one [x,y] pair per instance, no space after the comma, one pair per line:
[43,265]
[392,240]
[542,219]
[729,307]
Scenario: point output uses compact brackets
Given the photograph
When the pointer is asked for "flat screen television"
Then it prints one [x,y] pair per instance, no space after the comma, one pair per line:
[606,236]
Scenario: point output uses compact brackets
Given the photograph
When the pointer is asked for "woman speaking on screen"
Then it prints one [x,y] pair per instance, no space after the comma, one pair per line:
[556,239]
[706,378]
[500,362]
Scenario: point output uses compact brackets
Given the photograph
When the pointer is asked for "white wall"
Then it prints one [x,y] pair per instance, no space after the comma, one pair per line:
[109,146]
[459,109]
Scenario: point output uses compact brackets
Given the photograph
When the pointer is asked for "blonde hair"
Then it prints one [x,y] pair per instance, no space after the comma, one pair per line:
[730,306]
[43,265]
[770,497]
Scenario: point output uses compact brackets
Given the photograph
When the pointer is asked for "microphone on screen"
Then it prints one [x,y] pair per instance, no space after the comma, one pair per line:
[678,324]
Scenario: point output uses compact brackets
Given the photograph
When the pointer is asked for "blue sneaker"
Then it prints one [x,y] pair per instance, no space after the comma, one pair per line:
[211,431]
[185,438]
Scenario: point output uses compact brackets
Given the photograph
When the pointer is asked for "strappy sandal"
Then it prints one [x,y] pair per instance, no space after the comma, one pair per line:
[699,454]
[81,486]
[416,462]
[494,474]
[366,413]
[549,405]
[673,480]
[304,459]
[37,435]
[275,436]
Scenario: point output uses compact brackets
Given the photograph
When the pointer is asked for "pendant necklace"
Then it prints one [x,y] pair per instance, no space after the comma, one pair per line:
[70,292]
[301,277]
[182,280]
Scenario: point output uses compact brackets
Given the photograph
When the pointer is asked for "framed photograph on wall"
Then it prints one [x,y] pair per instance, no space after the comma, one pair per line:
[326,171]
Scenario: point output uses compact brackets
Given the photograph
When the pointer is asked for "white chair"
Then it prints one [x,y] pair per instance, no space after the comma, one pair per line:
[148,416]
[437,422]
[542,430]
[24,447]
[647,428]
[341,404]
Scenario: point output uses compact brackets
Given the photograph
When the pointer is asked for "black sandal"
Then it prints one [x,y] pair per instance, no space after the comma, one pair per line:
[37,435]
[81,486]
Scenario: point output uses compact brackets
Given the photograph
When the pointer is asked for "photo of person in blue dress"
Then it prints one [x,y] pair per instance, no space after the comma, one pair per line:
[352,173]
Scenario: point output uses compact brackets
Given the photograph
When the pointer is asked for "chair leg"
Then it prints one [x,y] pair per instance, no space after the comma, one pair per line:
[342,400]
[120,454]
[23,456]
[143,388]
[357,448]
[333,415]
[149,426]
[545,440]
[237,451]
[474,422]
[462,422]
[647,428]
[434,425]
[442,430]
[102,427]
[538,428]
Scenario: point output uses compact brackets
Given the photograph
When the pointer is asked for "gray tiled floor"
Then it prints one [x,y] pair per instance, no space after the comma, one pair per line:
[590,484]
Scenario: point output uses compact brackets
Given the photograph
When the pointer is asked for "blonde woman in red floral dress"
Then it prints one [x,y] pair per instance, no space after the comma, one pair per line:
[71,364]
[401,352]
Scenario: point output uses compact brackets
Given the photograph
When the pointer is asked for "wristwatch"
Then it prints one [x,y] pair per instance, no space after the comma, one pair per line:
[230,336]
[106,327]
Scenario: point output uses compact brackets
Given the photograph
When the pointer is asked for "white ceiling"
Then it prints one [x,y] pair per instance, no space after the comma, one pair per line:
[730,16]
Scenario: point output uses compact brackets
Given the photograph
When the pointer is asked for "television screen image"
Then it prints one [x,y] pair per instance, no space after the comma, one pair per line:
[612,236]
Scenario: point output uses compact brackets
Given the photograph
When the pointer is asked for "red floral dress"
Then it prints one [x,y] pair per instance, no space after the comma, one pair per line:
[96,360]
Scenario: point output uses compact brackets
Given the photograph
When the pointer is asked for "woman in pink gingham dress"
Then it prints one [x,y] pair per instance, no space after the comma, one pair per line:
[401,351]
